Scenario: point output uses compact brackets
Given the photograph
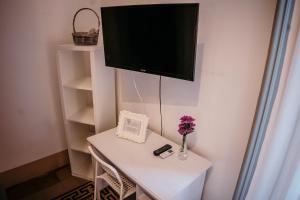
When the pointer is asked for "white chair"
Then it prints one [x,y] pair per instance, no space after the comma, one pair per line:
[117,181]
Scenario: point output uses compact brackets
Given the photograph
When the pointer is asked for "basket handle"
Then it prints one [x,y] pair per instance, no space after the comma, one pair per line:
[74,18]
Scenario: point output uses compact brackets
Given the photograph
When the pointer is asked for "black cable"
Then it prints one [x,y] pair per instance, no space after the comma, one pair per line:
[161,125]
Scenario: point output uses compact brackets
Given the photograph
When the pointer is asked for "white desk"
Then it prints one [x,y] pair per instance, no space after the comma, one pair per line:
[165,179]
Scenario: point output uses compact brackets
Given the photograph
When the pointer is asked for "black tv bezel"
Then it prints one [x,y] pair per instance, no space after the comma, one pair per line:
[149,71]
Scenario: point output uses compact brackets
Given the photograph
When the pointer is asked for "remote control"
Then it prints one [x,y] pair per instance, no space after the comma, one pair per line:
[166,153]
[162,149]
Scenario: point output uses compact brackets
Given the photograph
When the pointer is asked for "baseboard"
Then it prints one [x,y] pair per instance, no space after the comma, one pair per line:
[34,169]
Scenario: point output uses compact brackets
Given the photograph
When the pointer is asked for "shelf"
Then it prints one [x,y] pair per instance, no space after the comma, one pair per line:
[79,142]
[84,116]
[82,165]
[74,47]
[81,84]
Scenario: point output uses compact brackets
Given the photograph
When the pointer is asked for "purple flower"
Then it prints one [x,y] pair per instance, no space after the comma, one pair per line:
[186,125]
[187,119]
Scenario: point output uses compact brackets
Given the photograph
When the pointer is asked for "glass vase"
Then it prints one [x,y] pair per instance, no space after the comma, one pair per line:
[183,152]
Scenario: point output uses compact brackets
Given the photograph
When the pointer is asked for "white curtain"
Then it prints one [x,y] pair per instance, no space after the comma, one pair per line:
[277,175]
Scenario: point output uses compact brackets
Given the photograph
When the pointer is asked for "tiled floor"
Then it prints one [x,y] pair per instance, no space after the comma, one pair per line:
[45,187]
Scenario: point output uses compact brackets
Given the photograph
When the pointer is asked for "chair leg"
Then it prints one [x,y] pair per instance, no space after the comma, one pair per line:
[95,190]
[96,182]
[100,185]
[121,195]
[99,188]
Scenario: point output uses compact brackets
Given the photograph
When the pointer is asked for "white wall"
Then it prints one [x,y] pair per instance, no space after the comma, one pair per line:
[233,42]
[31,122]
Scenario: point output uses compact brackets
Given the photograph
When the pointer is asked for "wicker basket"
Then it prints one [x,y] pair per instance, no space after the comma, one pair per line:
[85,38]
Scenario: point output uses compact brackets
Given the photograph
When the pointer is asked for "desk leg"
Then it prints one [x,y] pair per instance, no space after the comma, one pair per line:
[193,191]
[141,195]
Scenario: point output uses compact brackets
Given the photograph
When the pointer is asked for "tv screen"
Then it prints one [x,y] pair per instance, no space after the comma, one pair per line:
[158,39]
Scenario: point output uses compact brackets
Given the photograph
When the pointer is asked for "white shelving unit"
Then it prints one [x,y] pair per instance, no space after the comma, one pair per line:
[88,101]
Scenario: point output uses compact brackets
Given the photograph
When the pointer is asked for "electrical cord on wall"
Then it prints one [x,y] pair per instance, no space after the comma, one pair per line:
[141,99]
[136,89]
[161,124]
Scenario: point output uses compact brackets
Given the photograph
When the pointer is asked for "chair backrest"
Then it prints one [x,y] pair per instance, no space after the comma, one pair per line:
[106,167]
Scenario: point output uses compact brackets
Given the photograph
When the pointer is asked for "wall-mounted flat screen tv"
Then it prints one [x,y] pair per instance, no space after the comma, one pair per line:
[158,39]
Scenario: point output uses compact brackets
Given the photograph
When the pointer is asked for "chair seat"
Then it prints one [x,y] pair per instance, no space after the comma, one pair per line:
[128,186]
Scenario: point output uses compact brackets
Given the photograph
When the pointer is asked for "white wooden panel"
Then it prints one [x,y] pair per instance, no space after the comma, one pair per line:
[103,84]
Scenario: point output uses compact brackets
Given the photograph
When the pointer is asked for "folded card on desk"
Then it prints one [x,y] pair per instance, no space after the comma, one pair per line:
[132,126]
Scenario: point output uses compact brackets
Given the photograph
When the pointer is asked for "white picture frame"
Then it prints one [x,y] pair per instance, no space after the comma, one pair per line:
[132,126]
